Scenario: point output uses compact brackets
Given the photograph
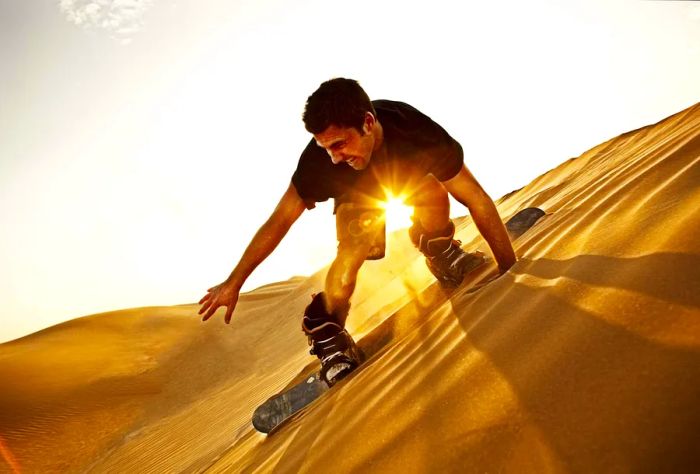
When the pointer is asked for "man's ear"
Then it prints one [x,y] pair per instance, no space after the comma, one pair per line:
[370,121]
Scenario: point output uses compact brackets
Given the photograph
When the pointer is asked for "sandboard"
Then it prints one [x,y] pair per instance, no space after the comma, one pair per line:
[272,414]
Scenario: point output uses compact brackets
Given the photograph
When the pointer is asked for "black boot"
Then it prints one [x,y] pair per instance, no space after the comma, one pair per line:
[329,341]
[443,255]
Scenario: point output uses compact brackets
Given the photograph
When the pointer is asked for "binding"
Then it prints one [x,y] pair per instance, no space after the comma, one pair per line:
[444,257]
[330,342]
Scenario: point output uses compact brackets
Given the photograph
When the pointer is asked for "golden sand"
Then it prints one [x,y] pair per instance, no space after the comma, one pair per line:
[584,357]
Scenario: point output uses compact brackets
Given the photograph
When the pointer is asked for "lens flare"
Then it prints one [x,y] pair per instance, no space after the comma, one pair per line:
[398,214]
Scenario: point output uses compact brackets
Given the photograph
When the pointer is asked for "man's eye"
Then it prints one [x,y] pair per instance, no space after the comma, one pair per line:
[338,146]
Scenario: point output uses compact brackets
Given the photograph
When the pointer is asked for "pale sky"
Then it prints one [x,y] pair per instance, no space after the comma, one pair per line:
[142,143]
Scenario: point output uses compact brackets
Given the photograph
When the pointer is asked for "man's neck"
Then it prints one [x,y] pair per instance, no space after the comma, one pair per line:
[378,132]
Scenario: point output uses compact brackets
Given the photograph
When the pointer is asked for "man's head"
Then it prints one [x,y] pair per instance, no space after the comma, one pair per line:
[342,119]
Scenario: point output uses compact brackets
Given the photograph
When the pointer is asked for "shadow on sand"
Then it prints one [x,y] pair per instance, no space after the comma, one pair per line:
[605,397]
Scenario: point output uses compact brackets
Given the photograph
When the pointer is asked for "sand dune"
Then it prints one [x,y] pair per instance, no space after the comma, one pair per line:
[585,357]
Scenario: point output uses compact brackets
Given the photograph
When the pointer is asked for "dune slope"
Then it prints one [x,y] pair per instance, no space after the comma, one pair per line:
[584,357]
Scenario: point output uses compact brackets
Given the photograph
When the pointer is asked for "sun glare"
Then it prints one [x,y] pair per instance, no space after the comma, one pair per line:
[398,214]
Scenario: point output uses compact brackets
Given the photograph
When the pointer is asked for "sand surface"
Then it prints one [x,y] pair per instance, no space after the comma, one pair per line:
[584,357]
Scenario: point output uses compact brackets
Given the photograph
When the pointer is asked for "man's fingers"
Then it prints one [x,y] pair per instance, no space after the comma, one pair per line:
[211,311]
[212,301]
[204,298]
[206,306]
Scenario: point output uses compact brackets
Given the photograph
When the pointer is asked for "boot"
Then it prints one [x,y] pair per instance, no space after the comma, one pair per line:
[443,255]
[330,342]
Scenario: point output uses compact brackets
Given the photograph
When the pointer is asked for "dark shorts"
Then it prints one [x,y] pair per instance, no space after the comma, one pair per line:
[361,226]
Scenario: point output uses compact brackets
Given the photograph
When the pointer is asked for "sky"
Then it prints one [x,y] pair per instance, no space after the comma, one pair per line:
[143,143]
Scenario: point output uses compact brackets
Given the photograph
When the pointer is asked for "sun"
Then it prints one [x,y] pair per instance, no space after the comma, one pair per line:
[398,214]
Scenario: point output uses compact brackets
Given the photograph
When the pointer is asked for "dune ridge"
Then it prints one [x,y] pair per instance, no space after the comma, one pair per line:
[584,357]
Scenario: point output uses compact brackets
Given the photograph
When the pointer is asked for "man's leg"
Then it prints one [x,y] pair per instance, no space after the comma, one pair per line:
[431,205]
[341,280]
[360,229]
[433,234]
[324,319]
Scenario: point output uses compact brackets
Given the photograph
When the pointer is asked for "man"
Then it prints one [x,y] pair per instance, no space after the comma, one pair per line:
[360,151]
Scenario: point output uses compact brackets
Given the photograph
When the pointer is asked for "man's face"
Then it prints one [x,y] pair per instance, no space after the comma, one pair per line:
[347,145]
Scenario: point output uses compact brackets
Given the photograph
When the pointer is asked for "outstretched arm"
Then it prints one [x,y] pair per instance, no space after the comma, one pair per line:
[467,190]
[290,207]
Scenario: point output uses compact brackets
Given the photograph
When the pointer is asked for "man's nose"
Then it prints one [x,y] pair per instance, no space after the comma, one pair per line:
[337,158]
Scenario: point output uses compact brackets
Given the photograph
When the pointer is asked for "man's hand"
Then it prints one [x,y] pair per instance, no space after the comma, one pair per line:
[223,294]
[264,242]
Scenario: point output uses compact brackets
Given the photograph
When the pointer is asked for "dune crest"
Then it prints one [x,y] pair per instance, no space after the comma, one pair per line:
[584,357]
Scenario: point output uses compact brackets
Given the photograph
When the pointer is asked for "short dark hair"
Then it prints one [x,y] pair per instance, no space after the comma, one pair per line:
[340,102]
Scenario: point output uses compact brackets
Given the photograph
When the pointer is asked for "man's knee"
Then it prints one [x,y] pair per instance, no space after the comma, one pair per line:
[431,204]
[429,193]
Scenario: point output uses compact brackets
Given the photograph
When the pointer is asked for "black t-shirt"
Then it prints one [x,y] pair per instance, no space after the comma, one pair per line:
[415,147]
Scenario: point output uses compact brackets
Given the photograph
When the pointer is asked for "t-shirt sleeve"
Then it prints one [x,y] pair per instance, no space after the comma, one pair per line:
[445,162]
[434,150]
[441,155]
[307,177]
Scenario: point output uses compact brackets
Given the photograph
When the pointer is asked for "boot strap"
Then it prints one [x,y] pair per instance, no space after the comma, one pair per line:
[321,348]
